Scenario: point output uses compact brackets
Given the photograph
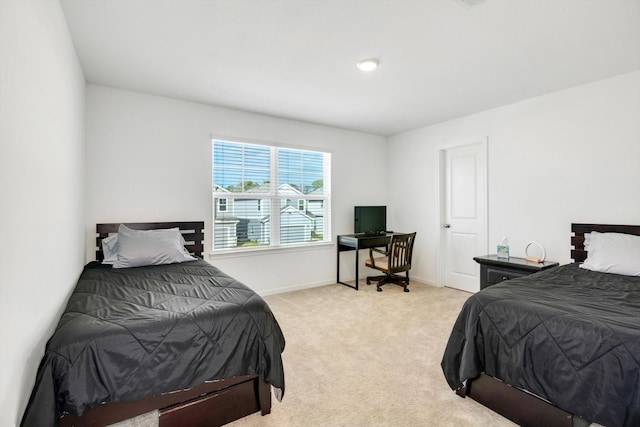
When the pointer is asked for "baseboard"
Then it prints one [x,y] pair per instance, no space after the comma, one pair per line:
[292,288]
[424,281]
[285,289]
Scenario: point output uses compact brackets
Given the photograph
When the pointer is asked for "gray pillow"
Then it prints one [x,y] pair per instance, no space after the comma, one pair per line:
[137,248]
[110,249]
[110,244]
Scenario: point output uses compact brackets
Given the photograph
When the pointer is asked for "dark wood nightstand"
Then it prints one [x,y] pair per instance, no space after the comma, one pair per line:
[495,270]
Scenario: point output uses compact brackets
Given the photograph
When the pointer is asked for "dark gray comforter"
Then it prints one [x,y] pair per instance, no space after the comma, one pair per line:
[566,334]
[128,334]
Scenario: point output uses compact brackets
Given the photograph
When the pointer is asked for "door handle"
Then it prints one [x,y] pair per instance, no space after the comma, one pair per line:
[447,226]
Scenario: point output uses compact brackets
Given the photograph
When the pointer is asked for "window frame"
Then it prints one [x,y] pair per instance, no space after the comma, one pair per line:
[275,198]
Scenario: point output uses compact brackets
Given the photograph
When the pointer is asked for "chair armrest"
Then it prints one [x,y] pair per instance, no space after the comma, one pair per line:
[372,250]
[380,251]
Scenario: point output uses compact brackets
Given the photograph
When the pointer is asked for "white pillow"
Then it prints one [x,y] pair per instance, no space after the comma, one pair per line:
[613,253]
[110,249]
[137,248]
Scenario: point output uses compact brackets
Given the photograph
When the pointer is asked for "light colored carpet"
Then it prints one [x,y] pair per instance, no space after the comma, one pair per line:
[367,358]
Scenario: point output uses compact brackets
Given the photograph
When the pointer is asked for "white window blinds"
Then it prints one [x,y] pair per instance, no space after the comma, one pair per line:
[269,196]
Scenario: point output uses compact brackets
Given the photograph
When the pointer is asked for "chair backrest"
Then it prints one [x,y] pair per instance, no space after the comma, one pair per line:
[400,252]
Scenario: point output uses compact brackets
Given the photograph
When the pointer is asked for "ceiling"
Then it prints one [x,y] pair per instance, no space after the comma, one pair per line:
[439,59]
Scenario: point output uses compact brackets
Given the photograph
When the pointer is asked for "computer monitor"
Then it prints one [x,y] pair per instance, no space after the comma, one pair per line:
[370,219]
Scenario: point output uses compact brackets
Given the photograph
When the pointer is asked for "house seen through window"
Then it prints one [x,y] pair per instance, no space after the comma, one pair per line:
[267,196]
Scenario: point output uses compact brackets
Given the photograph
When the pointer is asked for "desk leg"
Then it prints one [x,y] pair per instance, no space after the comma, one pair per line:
[357,259]
[338,263]
[338,269]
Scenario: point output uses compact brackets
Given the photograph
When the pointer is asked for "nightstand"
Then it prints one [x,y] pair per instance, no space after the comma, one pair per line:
[495,270]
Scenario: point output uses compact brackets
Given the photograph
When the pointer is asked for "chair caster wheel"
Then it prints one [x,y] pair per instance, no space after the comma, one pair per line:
[368,282]
[379,289]
[406,289]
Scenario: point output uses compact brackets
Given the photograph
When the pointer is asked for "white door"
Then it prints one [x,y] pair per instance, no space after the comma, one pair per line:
[465,212]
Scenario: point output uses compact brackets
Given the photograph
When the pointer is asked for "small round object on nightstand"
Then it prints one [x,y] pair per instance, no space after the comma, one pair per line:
[534,259]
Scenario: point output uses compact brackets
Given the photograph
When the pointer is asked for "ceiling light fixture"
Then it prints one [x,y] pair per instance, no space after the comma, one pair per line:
[469,3]
[369,64]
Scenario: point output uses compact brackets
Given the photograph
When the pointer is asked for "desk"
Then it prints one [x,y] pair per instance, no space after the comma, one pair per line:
[350,242]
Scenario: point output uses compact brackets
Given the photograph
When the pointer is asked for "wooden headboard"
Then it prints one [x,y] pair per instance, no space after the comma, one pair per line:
[578,254]
[193,233]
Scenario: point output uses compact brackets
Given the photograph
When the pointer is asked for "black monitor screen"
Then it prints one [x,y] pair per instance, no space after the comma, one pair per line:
[370,219]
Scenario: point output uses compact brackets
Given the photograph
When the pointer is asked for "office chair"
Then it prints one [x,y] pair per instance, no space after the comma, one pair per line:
[396,259]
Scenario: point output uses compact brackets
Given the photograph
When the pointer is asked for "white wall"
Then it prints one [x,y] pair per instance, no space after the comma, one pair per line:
[149,159]
[41,188]
[570,156]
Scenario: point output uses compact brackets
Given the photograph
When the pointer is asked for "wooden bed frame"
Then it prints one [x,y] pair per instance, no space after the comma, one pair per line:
[213,403]
[521,407]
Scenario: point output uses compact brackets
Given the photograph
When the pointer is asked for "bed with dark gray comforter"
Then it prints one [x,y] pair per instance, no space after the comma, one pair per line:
[568,335]
[128,334]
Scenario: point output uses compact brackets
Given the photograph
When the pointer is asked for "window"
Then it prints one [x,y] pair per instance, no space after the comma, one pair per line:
[273,196]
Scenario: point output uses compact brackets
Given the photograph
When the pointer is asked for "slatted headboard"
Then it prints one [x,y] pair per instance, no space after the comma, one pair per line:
[578,253]
[193,233]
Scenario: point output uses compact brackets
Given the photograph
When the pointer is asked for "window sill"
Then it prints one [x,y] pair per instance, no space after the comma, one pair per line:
[268,250]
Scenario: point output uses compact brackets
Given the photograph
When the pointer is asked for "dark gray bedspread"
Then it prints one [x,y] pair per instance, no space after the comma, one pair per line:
[566,334]
[128,334]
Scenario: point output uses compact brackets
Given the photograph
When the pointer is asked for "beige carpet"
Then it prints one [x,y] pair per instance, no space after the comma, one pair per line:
[367,358]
